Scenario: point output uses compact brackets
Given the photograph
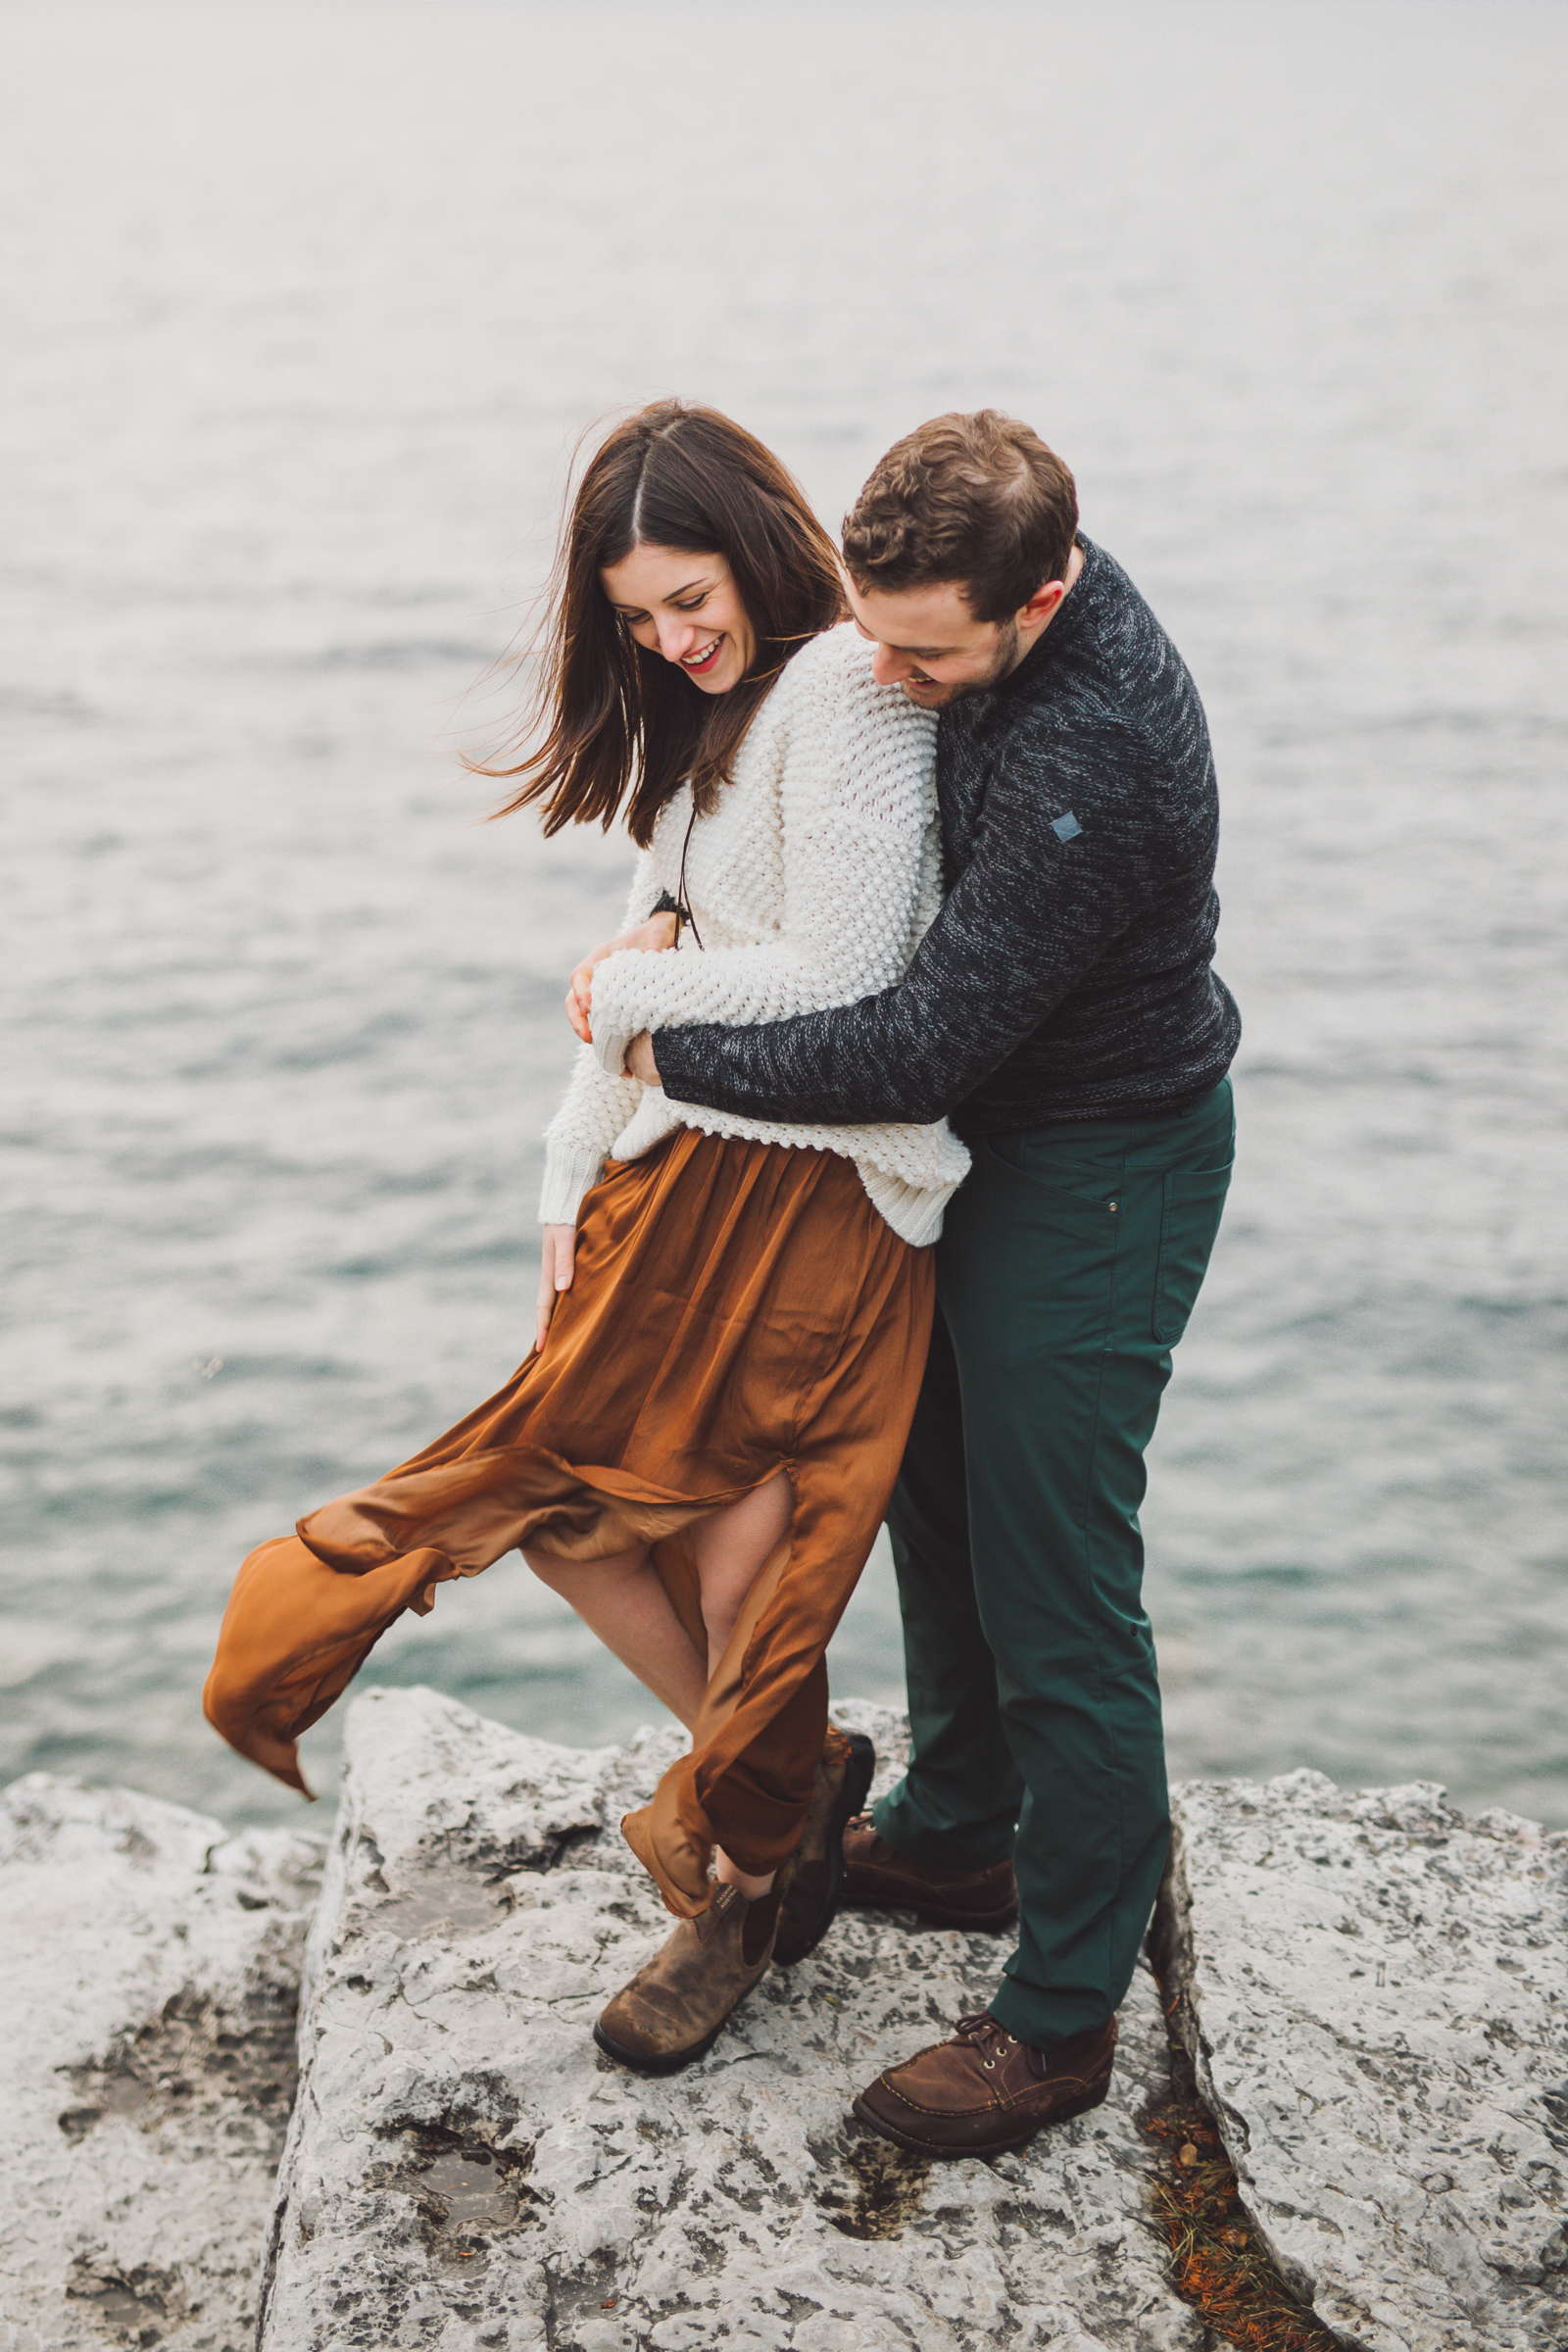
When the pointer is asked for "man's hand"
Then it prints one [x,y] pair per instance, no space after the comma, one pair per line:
[658,932]
[640,1062]
[555,1260]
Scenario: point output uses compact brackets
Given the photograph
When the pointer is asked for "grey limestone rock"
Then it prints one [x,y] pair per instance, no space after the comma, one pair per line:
[465,2170]
[149,1967]
[1374,1991]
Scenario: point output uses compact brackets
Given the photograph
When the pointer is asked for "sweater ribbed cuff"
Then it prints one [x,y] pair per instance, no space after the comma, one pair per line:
[569,1175]
[609,1048]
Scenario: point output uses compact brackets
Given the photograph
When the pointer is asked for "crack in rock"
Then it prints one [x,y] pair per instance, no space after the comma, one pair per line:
[1371,1990]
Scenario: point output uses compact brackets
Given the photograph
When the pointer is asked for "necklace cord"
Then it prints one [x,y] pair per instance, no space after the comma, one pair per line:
[683,910]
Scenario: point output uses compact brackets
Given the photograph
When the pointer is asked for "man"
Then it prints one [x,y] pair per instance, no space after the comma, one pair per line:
[1061,1010]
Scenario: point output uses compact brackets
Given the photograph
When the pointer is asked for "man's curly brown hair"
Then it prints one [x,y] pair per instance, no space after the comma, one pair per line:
[976,499]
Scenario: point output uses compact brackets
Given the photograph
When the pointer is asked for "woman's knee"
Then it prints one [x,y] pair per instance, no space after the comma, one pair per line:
[720,1611]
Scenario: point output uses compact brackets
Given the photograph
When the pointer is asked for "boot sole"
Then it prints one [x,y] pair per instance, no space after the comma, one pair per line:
[993,2147]
[673,2061]
[982,1923]
[858,1774]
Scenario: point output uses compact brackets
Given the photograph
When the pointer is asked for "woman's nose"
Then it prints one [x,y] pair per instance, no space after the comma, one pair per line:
[676,637]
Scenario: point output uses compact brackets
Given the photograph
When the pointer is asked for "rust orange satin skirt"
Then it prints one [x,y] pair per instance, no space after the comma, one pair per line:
[737,1308]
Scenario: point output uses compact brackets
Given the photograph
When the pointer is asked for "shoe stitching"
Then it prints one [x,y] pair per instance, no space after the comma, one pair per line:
[993,2106]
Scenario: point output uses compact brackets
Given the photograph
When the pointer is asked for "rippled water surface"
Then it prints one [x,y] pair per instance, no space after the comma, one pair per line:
[303,308]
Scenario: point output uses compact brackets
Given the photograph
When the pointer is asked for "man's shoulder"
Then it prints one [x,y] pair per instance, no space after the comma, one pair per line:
[1118,689]
[1135,669]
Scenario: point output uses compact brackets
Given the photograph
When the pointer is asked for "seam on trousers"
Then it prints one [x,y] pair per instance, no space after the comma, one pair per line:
[1096,1427]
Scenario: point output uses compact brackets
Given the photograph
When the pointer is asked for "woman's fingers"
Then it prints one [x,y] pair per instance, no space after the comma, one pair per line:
[557,1254]
[577,1005]
[651,938]
[579,989]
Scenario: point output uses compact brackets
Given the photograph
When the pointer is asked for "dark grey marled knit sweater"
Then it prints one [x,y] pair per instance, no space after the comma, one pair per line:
[1067,975]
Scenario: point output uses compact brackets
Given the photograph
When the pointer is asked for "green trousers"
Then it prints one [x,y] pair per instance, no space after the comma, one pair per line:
[1065,1274]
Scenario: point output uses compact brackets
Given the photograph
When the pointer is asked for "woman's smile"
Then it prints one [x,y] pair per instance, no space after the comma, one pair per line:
[704,656]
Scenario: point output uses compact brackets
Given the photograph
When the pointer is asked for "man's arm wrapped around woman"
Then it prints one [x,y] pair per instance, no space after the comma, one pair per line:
[850,766]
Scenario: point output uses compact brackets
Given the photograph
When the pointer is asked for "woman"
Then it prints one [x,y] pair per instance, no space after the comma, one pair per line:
[733,1316]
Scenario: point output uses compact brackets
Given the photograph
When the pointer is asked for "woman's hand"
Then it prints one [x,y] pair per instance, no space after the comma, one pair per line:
[658,933]
[640,1062]
[555,1261]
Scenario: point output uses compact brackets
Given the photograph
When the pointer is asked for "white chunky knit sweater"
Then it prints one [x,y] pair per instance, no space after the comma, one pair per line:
[812,883]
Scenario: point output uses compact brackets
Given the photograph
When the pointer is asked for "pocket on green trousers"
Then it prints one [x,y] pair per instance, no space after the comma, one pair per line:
[1189,1220]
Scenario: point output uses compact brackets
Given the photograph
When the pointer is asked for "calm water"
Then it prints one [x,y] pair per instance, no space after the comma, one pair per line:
[302,310]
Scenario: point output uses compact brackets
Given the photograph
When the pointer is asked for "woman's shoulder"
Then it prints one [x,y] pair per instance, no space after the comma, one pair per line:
[834,673]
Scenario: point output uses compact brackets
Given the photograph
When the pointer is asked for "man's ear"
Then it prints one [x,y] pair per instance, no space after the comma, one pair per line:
[1042,604]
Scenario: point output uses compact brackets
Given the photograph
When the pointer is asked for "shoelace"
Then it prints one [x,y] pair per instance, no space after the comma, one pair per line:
[984,2029]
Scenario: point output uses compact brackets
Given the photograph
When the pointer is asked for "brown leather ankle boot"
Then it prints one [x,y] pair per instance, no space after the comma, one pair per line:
[876,1879]
[812,1881]
[984,2091]
[674,2009]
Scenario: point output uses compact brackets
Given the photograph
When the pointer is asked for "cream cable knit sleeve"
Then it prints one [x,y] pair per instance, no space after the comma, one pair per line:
[598,1103]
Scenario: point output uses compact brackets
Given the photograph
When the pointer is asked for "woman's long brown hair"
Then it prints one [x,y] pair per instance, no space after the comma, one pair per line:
[623,726]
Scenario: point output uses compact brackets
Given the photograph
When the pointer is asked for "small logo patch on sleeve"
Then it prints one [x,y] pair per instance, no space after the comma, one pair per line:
[1066,828]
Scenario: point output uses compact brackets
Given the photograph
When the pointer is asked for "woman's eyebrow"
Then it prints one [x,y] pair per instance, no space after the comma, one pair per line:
[668,598]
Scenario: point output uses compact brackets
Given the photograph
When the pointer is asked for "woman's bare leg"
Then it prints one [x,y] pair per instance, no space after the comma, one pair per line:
[730,1550]
[621,1600]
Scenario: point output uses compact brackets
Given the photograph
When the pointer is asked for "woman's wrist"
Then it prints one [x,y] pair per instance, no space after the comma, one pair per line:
[571,1171]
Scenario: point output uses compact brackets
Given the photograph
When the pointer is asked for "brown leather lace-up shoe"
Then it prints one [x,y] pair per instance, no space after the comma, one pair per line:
[876,1879]
[814,1883]
[983,2092]
[674,2009]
